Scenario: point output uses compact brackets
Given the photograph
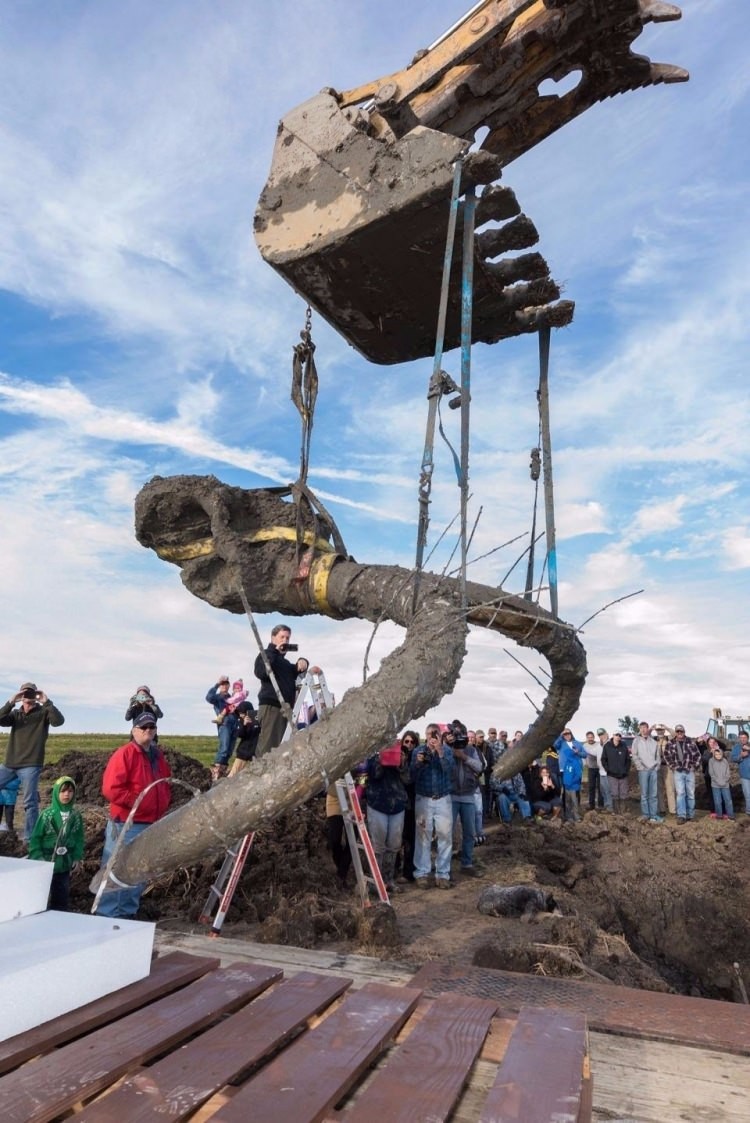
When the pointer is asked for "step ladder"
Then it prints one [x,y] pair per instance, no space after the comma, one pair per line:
[313,685]
[223,889]
[360,843]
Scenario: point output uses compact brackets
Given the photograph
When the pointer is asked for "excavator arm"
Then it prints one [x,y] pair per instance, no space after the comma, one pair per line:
[355,209]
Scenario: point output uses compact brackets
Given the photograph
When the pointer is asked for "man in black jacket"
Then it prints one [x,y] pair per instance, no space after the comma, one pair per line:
[270,714]
[29,728]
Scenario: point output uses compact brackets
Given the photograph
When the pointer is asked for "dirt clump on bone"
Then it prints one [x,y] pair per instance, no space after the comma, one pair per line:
[658,907]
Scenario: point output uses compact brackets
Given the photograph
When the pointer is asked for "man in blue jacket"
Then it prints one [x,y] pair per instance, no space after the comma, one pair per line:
[432,772]
[572,755]
[741,756]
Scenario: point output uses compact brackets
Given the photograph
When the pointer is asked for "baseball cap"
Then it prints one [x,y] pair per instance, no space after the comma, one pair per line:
[27,686]
[679,729]
[601,730]
[144,719]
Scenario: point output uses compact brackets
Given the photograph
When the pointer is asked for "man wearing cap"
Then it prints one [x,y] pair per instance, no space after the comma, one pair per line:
[593,759]
[683,759]
[129,773]
[29,724]
[647,757]
[227,731]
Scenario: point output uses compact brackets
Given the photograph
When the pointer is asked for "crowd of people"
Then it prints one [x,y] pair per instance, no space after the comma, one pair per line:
[419,794]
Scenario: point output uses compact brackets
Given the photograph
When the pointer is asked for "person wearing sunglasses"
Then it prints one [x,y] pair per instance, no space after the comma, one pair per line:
[129,772]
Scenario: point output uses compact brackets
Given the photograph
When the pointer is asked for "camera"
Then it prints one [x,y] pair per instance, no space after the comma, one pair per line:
[289,647]
[460,734]
[30,694]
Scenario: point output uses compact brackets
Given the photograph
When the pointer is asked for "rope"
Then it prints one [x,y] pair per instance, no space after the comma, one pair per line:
[304,395]
[437,383]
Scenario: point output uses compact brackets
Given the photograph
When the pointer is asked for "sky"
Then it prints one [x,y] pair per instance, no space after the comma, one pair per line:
[141,334]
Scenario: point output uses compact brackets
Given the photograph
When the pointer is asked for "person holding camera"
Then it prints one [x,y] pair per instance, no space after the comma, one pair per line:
[432,772]
[272,719]
[29,715]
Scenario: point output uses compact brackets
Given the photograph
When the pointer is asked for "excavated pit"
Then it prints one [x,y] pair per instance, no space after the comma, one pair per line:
[653,907]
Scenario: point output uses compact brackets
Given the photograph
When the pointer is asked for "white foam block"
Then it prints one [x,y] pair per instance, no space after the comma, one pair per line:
[54,962]
[24,887]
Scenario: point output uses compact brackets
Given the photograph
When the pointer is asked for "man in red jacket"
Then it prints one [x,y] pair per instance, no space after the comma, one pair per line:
[129,772]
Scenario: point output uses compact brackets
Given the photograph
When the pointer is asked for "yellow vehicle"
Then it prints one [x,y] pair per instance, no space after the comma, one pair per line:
[726,728]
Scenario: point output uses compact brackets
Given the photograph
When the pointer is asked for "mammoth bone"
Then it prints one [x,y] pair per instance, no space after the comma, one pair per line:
[227,539]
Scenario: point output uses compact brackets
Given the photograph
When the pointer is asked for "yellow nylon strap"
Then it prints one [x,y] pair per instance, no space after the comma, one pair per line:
[202,547]
[318,583]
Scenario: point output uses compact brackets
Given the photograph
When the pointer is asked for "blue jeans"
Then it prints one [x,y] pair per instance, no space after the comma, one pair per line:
[745,781]
[433,815]
[684,790]
[120,902]
[29,778]
[478,813]
[506,803]
[722,801]
[386,832]
[647,780]
[227,732]
[606,794]
[466,812]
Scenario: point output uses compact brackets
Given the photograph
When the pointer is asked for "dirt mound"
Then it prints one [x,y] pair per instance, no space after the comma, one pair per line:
[652,906]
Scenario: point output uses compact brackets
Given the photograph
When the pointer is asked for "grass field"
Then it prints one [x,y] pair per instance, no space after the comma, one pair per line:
[201,748]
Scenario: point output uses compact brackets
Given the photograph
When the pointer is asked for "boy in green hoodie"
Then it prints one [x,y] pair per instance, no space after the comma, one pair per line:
[59,835]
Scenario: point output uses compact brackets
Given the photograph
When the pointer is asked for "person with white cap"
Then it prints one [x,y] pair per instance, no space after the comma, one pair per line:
[29,715]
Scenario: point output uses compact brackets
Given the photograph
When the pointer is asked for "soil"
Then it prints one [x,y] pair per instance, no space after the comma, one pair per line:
[659,907]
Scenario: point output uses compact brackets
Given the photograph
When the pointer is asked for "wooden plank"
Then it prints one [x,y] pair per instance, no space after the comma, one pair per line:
[658,1082]
[168,972]
[46,1086]
[179,1083]
[315,1072]
[361,968]
[541,1076]
[424,1076]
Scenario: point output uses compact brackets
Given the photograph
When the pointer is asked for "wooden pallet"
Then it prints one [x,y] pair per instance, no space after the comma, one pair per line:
[198,1041]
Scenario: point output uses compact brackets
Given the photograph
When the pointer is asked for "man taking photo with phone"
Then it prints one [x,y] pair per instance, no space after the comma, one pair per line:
[29,715]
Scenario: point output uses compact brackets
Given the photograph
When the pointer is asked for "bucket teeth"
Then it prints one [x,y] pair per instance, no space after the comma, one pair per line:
[666,72]
[657,11]
[517,234]
[355,210]
[496,203]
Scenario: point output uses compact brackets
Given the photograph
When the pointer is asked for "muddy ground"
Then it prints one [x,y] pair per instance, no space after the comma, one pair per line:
[661,907]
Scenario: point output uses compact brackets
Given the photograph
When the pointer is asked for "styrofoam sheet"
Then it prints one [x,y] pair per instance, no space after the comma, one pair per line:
[54,962]
[24,887]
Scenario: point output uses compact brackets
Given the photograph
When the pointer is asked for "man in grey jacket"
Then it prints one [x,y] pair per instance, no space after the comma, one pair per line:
[647,758]
[29,724]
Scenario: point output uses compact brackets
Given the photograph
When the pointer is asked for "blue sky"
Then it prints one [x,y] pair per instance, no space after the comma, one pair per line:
[141,334]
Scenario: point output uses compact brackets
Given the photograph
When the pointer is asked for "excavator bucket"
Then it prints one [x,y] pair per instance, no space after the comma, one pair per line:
[355,211]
